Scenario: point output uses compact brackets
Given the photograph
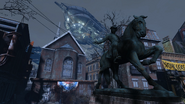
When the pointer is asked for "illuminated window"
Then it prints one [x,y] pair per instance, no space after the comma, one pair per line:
[79,67]
[48,65]
[67,68]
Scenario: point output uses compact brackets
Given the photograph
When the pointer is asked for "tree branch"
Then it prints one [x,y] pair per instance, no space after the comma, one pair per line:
[112,18]
[19,7]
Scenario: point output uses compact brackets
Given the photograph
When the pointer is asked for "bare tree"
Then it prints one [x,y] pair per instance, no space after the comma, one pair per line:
[113,18]
[19,7]
[24,9]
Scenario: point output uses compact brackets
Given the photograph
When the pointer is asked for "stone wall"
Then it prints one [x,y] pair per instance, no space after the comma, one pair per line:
[105,99]
[50,92]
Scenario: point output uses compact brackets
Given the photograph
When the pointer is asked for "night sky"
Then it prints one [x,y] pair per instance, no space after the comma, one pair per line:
[164,16]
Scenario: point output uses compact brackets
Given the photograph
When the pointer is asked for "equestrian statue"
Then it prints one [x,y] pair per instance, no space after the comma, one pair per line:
[128,48]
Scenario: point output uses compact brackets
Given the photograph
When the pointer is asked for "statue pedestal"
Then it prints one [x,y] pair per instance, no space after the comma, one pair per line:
[133,96]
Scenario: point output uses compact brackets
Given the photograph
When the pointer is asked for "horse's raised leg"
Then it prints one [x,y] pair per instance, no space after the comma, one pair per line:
[115,68]
[155,51]
[133,58]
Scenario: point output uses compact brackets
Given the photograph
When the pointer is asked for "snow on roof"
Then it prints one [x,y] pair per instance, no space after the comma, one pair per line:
[63,36]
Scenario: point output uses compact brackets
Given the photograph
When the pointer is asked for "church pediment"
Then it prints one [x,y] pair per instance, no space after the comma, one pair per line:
[66,46]
[67,40]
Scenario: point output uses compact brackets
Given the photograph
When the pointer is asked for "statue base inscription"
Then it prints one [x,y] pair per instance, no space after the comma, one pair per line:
[133,96]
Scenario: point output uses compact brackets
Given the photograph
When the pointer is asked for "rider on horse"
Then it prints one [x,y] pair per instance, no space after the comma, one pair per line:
[114,39]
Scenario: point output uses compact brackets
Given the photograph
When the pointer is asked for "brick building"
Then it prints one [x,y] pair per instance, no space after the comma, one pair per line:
[93,67]
[179,40]
[62,58]
[175,79]
[62,61]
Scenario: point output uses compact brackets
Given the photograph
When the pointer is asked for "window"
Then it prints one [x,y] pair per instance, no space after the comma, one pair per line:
[67,68]
[79,67]
[135,82]
[159,67]
[48,65]
[93,66]
[158,64]
[96,76]
[153,44]
[93,76]
[145,84]
[90,78]
[90,68]
[89,90]
[145,43]
[97,66]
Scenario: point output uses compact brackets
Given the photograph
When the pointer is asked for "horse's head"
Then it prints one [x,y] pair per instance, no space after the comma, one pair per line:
[139,25]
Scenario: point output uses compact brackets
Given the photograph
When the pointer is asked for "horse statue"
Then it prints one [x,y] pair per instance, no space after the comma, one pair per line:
[131,49]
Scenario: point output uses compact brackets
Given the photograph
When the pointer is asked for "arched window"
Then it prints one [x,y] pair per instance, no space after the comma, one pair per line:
[48,65]
[79,67]
[67,68]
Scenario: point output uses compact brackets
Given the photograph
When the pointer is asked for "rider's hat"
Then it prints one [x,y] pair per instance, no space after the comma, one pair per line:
[113,27]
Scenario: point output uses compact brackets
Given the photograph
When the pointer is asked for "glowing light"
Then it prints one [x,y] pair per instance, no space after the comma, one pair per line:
[67,19]
[68,85]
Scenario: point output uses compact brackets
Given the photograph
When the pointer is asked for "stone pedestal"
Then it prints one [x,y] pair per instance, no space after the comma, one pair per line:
[133,96]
